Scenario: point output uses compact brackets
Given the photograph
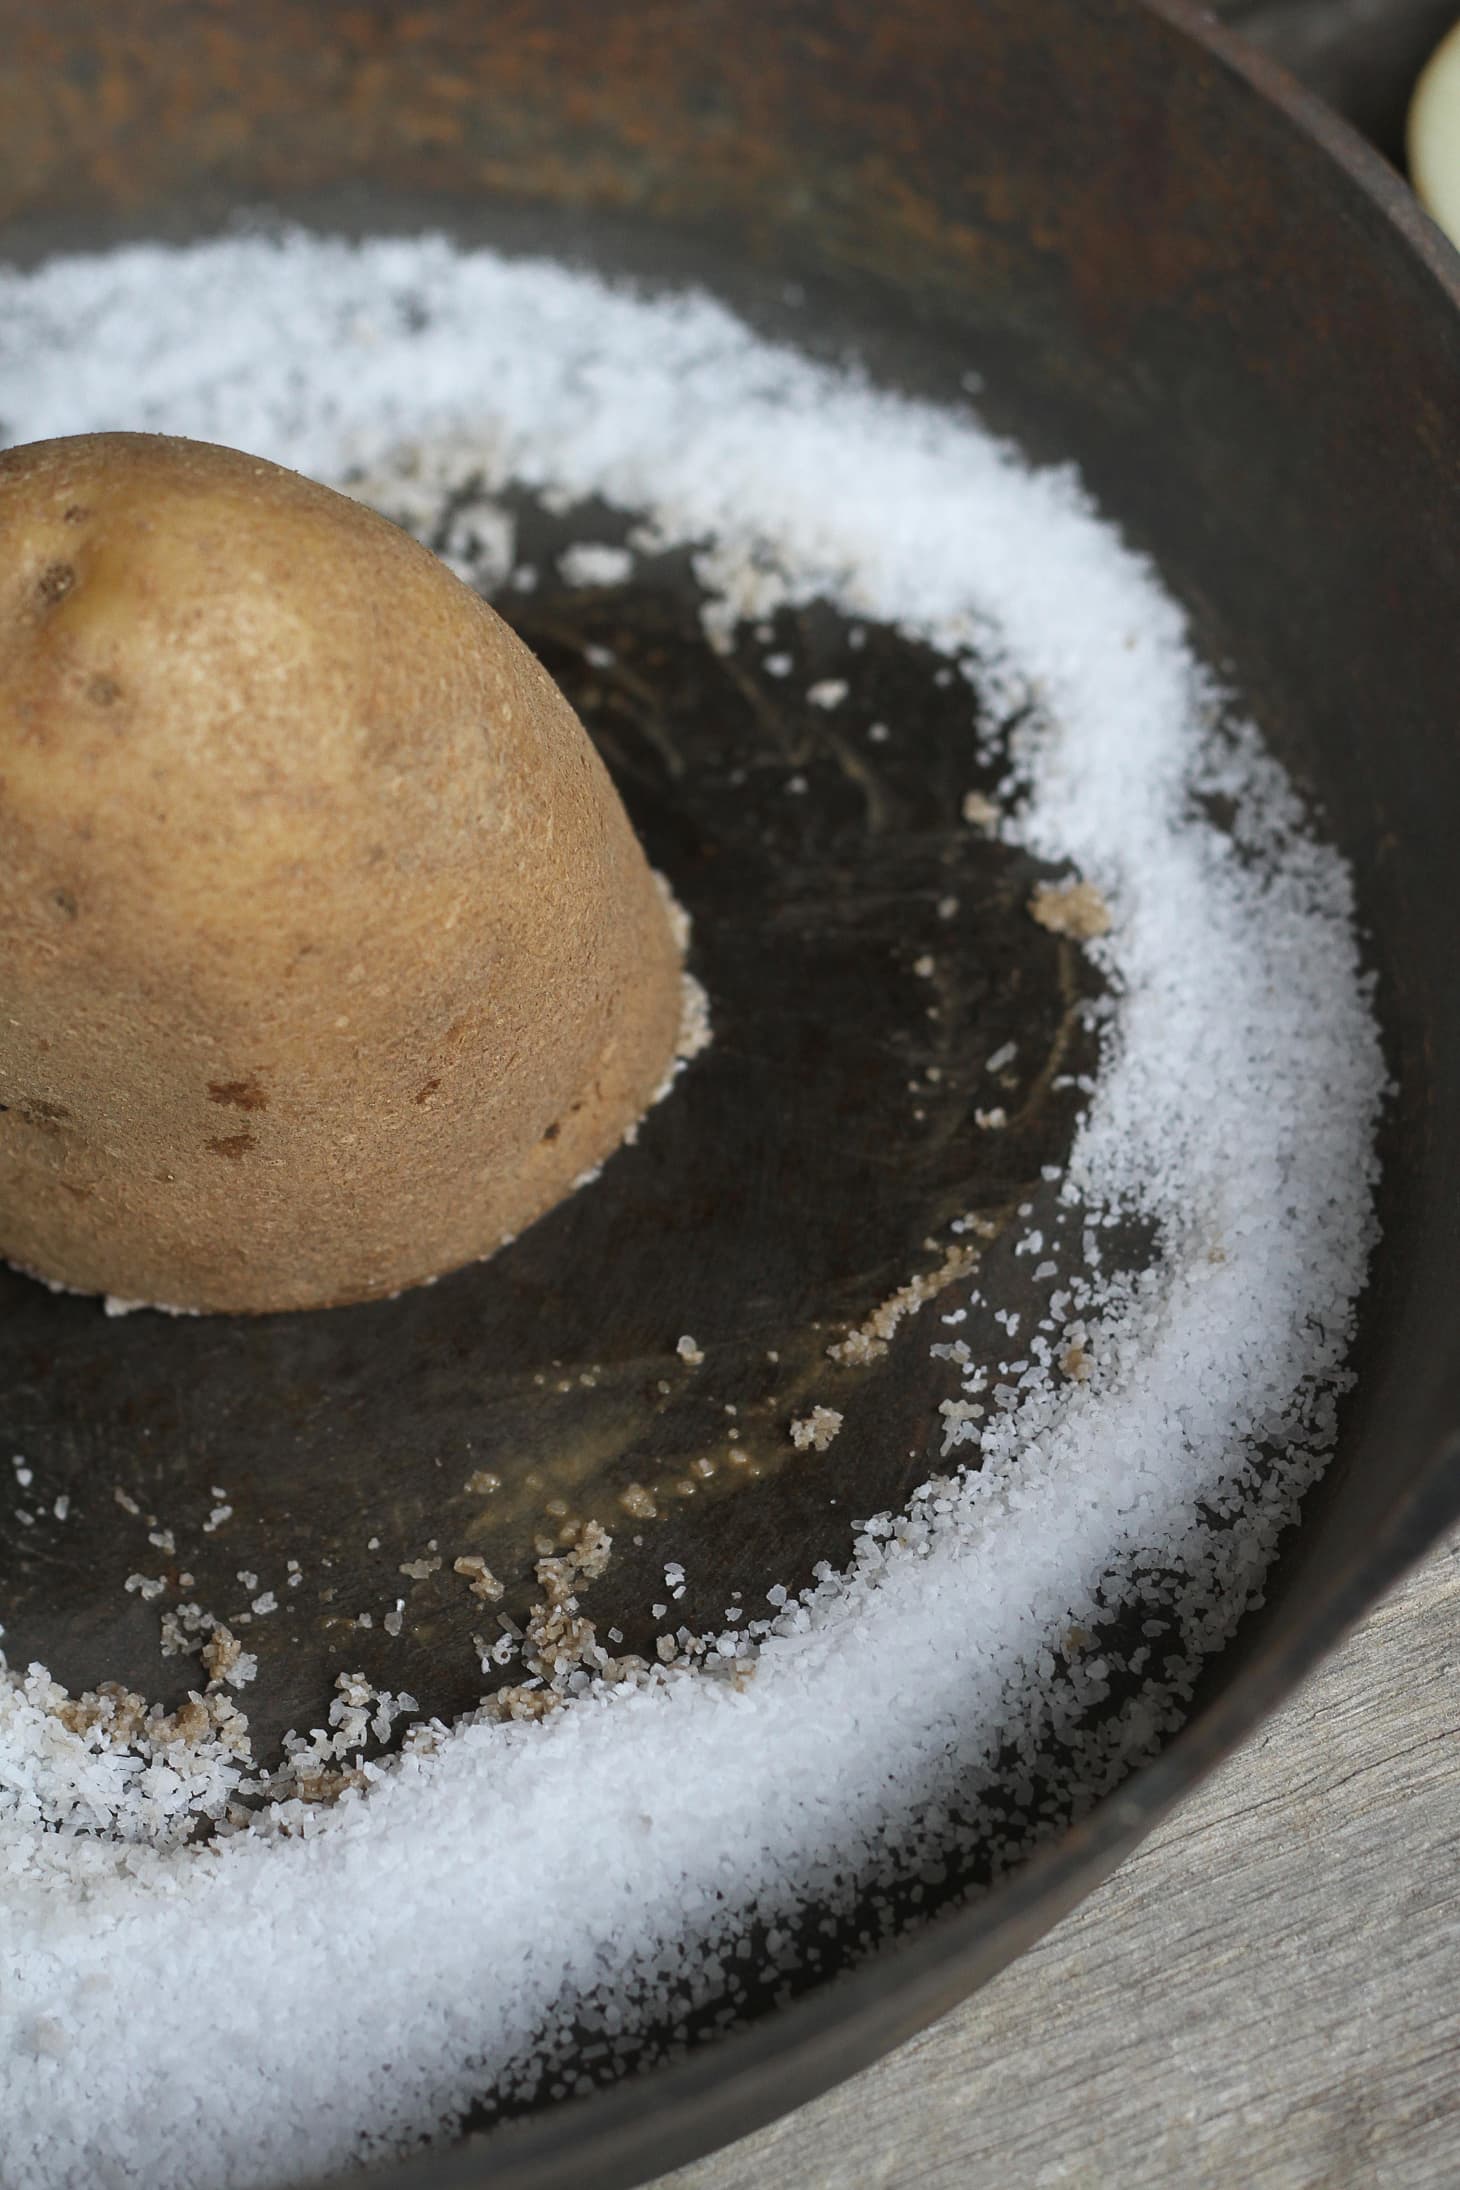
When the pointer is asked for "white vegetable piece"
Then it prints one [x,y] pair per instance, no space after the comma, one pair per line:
[1434,135]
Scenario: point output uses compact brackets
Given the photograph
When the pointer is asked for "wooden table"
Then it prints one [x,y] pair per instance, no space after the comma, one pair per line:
[1265,1997]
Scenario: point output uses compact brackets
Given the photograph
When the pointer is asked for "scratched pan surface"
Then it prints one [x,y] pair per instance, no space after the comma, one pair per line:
[810,1164]
[1163,263]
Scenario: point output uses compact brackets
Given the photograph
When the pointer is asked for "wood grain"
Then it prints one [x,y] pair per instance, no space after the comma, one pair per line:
[1267,1995]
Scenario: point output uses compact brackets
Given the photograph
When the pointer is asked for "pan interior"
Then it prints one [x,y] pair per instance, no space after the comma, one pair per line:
[901,1056]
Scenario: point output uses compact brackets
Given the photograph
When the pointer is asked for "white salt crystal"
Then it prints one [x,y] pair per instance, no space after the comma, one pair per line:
[595,563]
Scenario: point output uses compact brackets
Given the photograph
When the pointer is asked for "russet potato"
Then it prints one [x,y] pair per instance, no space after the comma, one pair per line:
[329,957]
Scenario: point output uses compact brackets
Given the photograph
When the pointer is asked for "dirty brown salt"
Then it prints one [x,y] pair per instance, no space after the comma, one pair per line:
[816,1430]
[871,1339]
[1075,909]
[483,1581]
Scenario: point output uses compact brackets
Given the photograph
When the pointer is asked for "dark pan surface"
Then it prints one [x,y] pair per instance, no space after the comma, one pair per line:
[807,1167]
[1165,265]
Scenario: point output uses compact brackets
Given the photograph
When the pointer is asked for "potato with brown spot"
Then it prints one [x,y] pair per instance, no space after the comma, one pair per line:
[330,957]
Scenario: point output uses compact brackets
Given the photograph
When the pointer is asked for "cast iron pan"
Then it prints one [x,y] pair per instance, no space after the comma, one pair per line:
[1162,262]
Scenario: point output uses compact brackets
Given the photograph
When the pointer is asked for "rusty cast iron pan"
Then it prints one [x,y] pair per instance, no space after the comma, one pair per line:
[1162,261]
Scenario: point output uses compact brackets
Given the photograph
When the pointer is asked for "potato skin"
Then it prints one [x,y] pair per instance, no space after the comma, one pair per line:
[330,958]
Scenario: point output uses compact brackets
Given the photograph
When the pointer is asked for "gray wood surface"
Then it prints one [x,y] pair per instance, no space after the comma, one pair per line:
[1265,1997]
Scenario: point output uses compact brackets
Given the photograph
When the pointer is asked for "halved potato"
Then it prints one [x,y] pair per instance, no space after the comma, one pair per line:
[330,958]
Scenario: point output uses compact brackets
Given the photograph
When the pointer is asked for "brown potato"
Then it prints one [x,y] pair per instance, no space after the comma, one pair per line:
[330,958]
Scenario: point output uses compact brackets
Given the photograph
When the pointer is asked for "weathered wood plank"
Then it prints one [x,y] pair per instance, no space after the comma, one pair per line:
[1267,1995]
